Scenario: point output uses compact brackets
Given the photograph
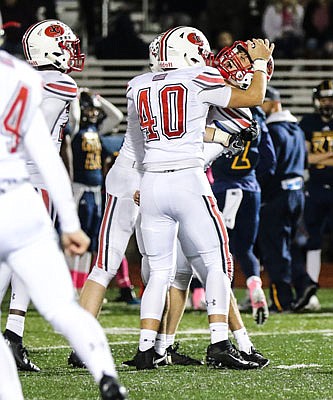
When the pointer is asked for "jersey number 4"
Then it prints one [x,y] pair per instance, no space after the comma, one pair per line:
[14,114]
[172,101]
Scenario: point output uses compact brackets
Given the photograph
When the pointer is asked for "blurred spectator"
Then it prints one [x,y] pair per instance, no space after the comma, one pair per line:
[253,20]
[171,13]
[282,24]
[223,39]
[225,15]
[17,16]
[122,42]
[318,28]
[90,17]
[44,9]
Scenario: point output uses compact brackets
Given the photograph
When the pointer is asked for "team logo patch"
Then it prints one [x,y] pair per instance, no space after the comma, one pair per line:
[195,39]
[159,77]
[54,31]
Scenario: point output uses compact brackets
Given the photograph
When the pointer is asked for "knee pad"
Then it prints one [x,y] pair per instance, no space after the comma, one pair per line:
[182,280]
[101,276]
[144,269]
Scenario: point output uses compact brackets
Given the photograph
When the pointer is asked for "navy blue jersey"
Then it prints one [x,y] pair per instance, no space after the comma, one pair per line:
[240,171]
[320,136]
[87,160]
[289,143]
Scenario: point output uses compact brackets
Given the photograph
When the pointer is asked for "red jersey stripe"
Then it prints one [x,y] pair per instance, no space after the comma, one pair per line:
[226,253]
[63,88]
[206,78]
[101,238]
[233,115]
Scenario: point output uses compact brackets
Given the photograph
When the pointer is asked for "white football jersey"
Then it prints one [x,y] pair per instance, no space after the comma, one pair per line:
[172,108]
[23,132]
[132,147]
[18,102]
[59,90]
[231,120]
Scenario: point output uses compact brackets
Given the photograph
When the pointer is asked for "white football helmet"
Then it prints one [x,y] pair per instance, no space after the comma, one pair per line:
[182,47]
[236,66]
[51,42]
[2,32]
[154,49]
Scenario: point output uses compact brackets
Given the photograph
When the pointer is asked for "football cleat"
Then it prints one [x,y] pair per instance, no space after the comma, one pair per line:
[111,389]
[21,356]
[159,361]
[176,358]
[256,357]
[259,306]
[305,298]
[75,361]
[145,359]
[223,355]
[313,304]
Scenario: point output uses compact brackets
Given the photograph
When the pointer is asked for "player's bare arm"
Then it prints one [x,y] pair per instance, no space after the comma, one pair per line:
[260,51]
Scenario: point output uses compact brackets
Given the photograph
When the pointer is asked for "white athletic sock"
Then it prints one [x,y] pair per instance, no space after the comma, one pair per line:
[243,341]
[15,323]
[170,340]
[313,264]
[160,344]
[218,331]
[147,339]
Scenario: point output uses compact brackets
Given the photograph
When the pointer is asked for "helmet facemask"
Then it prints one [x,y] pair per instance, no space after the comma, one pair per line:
[236,66]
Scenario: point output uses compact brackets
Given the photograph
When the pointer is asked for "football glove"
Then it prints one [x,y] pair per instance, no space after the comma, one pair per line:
[251,133]
[236,146]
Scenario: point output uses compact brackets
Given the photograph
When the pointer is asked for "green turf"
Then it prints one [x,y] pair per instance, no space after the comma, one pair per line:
[300,347]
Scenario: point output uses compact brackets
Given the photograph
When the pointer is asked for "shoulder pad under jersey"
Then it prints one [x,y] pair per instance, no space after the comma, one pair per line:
[59,85]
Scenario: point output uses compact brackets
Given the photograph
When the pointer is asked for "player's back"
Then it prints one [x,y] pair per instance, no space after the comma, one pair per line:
[19,100]
[172,114]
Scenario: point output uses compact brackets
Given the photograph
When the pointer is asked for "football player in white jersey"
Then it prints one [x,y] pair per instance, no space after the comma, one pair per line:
[51,47]
[231,121]
[172,108]
[29,244]
[120,217]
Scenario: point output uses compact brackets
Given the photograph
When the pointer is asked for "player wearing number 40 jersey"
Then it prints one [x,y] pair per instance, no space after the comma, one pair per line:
[176,198]
[53,48]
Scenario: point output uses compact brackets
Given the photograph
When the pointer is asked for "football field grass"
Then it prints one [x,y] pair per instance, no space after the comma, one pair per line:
[300,347]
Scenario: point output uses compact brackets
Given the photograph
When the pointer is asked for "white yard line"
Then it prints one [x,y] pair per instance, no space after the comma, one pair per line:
[135,331]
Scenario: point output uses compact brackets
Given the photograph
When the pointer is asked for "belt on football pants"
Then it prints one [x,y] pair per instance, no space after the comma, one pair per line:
[292,183]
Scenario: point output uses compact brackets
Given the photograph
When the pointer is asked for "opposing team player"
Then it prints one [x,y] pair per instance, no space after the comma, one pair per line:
[318,212]
[172,108]
[28,240]
[51,47]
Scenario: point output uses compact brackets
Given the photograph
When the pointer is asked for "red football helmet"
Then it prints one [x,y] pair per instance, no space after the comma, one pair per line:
[236,66]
